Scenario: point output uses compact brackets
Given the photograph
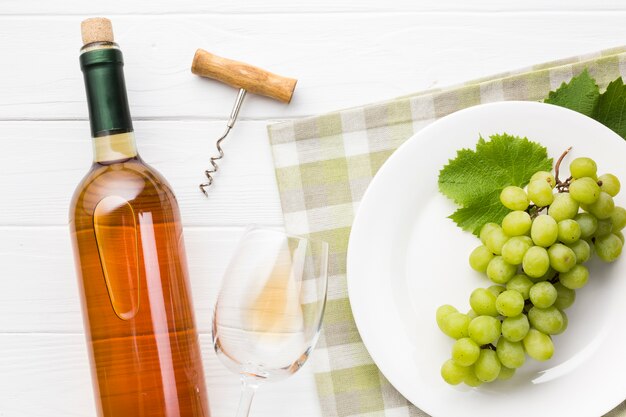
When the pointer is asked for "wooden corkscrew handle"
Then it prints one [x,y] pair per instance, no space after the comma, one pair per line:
[241,75]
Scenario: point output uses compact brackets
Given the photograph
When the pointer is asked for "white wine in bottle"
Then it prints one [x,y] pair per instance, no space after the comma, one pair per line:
[130,260]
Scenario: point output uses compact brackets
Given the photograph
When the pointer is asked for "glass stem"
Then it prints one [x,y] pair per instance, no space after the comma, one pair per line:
[248,389]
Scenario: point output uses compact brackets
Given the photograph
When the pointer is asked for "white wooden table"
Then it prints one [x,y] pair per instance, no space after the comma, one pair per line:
[345,53]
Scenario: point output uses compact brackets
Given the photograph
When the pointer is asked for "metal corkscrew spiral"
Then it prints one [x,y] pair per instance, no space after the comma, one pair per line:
[248,79]
[231,122]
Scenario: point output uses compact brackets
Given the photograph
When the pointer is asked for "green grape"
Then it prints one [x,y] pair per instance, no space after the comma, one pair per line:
[605,227]
[527,239]
[576,277]
[472,314]
[543,294]
[610,184]
[583,167]
[514,198]
[546,320]
[495,240]
[483,302]
[540,193]
[516,223]
[602,208]
[536,262]
[487,367]
[565,296]
[565,323]
[515,328]
[618,218]
[484,329]
[515,248]
[465,351]
[496,290]
[470,379]
[505,373]
[510,303]
[511,354]
[562,258]
[500,271]
[544,230]
[609,247]
[569,231]
[544,176]
[486,229]
[581,250]
[563,207]
[455,325]
[444,311]
[452,373]
[588,224]
[538,345]
[620,235]
[584,190]
[545,277]
[521,284]
[480,258]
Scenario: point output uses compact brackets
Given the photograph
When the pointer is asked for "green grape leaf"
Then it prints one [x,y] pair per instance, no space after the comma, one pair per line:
[475,178]
[580,94]
[473,217]
[611,108]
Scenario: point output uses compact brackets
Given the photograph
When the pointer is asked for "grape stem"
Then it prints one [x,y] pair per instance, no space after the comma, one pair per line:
[561,186]
[534,210]
[564,186]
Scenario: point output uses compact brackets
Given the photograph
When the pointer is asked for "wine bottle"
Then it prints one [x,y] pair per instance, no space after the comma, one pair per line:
[130,260]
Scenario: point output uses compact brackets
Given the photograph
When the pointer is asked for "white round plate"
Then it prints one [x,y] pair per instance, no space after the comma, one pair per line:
[405,258]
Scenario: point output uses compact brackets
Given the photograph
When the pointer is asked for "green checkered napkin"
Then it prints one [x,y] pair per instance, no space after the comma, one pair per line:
[323,166]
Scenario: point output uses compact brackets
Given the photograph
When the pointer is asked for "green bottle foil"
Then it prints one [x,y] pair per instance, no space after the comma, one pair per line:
[106,91]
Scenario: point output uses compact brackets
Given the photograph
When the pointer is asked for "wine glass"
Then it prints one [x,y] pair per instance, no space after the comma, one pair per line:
[269,310]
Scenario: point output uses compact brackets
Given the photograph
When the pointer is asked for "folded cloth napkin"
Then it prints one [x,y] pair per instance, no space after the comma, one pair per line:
[323,166]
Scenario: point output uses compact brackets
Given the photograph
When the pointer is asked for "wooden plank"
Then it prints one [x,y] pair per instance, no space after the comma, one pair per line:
[398,53]
[77,7]
[46,160]
[40,291]
[48,374]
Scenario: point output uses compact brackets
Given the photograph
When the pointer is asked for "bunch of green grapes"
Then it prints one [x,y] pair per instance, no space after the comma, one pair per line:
[535,259]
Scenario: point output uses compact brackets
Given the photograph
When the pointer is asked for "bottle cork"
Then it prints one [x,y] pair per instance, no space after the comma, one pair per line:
[96,29]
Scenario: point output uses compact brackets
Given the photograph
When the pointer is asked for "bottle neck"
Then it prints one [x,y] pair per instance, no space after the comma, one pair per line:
[109,116]
[114,147]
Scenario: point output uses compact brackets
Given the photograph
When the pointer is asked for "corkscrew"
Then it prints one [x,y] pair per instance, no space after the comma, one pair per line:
[245,77]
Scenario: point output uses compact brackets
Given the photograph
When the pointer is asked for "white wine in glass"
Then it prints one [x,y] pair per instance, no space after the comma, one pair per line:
[270,307]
